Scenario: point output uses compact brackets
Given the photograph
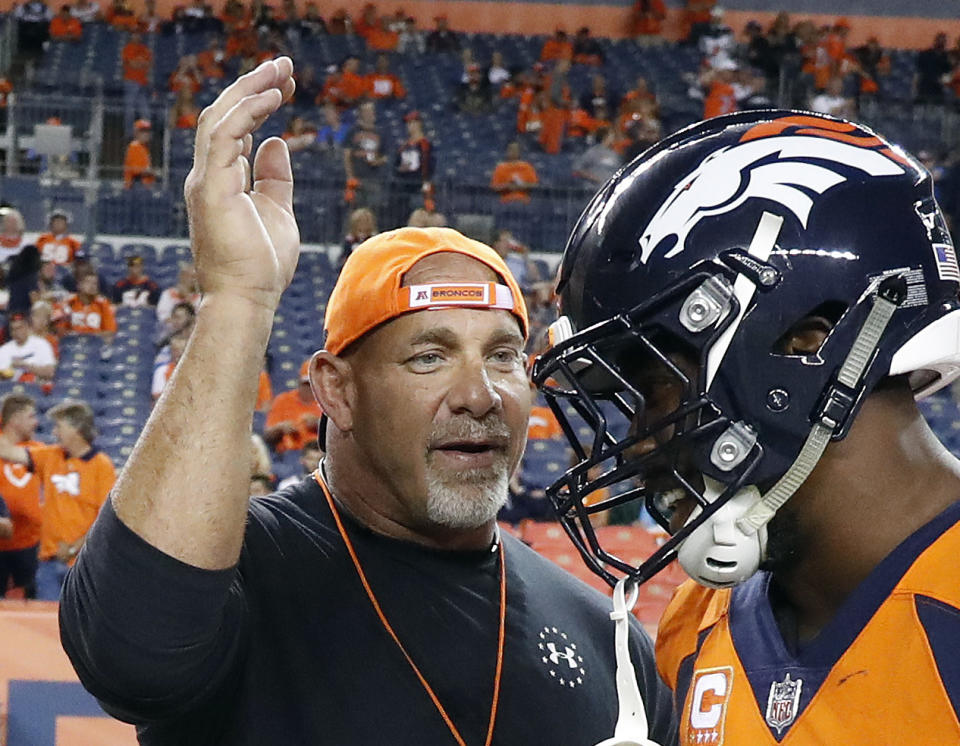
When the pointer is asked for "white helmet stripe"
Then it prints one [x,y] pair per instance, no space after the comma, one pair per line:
[764,239]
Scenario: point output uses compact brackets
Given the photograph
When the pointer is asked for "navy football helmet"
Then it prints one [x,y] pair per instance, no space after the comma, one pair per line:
[683,276]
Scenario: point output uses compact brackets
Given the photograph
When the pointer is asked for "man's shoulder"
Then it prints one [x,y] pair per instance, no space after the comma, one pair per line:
[290,509]
[535,568]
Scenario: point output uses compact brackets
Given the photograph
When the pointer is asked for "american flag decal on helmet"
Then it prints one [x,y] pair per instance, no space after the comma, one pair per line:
[946,262]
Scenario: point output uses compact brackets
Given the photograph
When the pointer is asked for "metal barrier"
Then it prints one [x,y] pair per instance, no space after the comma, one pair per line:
[90,182]
[8,42]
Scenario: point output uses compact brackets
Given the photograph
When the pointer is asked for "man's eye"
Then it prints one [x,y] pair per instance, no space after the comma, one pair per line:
[428,357]
[506,356]
[425,360]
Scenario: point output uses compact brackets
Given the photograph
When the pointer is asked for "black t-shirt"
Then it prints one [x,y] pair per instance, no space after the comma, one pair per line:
[286,649]
[366,146]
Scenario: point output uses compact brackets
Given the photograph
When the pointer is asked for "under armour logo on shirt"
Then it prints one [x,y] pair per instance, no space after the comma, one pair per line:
[567,654]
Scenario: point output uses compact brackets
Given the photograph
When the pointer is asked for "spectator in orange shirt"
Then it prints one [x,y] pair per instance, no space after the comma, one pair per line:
[20,490]
[641,92]
[352,86]
[558,47]
[367,21]
[294,416]
[184,114]
[88,312]
[721,97]
[57,245]
[6,88]
[122,17]
[382,83]
[137,65]
[514,178]
[557,113]
[76,478]
[64,27]
[136,164]
[161,374]
[186,75]
[647,22]
[210,60]
[836,41]
[382,38]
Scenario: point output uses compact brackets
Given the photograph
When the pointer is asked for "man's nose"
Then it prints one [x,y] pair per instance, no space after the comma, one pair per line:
[472,391]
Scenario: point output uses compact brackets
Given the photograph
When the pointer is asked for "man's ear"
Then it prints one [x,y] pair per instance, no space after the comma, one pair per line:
[331,380]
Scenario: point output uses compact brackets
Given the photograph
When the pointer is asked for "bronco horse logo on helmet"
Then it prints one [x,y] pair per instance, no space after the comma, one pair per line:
[772,161]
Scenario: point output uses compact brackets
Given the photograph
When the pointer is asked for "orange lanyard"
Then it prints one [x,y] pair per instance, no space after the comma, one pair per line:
[393,635]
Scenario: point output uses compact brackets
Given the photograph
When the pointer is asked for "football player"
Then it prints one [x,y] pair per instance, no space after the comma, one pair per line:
[750,311]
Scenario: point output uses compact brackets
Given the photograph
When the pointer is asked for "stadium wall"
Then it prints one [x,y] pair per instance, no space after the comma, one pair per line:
[905,24]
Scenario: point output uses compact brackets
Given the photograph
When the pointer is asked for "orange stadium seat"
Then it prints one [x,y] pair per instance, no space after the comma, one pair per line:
[539,534]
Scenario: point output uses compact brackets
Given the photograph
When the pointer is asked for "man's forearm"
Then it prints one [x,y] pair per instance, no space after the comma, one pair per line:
[185,488]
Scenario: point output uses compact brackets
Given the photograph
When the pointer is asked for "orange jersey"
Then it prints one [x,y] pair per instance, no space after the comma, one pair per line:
[352,86]
[543,424]
[187,120]
[20,490]
[385,85]
[721,99]
[89,318]
[883,671]
[554,49]
[137,59]
[57,249]
[65,28]
[288,407]
[649,21]
[136,165]
[383,40]
[209,65]
[73,491]
[512,172]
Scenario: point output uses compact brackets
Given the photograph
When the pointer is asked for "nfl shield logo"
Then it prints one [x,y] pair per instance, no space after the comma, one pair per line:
[783,703]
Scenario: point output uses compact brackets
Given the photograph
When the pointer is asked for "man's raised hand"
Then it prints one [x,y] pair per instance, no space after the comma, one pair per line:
[244,236]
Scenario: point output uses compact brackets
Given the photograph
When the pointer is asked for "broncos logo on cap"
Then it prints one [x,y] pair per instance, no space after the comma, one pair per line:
[785,160]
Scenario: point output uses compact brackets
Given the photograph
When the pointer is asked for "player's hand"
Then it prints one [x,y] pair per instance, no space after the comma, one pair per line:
[244,236]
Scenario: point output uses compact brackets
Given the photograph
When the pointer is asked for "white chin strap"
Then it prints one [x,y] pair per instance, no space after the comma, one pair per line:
[631,727]
[718,553]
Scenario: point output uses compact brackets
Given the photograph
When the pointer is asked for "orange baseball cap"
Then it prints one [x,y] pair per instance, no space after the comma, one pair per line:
[370,292]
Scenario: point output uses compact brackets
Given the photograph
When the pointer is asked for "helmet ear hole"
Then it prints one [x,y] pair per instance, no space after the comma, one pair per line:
[805,337]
